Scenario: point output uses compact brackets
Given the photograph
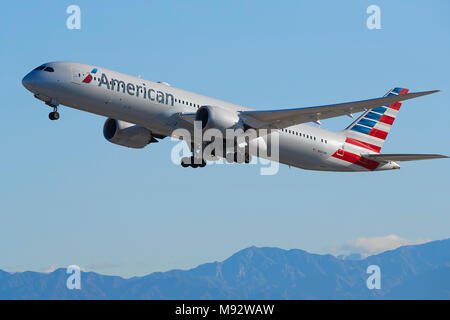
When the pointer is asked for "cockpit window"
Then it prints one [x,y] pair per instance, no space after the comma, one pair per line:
[45,68]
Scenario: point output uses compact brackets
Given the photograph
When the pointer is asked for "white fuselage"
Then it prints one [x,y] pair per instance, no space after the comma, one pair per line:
[156,106]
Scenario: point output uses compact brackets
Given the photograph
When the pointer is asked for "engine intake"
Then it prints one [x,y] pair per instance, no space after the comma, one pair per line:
[126,134]
[217,117]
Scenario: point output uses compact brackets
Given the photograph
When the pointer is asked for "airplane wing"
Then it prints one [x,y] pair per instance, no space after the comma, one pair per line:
[288,117]
[403,157]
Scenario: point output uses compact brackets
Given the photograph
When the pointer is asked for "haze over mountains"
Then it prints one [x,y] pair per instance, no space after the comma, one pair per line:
[410,272]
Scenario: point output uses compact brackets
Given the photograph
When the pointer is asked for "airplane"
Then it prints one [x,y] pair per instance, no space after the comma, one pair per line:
[141,112]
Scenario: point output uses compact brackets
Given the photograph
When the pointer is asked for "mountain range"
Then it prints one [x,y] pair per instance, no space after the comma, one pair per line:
[409,272]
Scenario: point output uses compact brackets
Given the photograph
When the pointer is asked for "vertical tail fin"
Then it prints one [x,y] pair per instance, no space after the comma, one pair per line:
[370,130]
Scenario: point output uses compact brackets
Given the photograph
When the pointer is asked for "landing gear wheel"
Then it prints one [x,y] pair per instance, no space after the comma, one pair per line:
[248,158]
[185,162]
[190,162]
[53,115]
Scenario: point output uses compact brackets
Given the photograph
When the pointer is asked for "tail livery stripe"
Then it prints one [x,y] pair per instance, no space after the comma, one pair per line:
[374,125]
[356,159]
[379,109]
[396,106]
[387,119]
[378,134]
[373,116]
[368,123]
[362,144]
[400,90]
[391,112]
[361,129]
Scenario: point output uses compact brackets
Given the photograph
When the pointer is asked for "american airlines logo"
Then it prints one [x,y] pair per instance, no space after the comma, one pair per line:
[88,78]
[133,89]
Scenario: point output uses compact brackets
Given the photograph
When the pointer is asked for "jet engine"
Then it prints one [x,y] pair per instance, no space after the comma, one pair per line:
[126,134]
[218,118]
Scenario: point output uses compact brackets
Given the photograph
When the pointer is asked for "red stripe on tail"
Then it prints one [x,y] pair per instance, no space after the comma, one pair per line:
[378,134]
[356,159]
[387,119]
[396,105]
[362,144]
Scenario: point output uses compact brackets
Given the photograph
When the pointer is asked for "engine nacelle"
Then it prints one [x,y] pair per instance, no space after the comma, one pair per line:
[126,134]
[218,118]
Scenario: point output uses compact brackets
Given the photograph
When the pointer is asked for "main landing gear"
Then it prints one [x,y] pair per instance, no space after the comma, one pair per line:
[197,161]
[192,162]
[200,163]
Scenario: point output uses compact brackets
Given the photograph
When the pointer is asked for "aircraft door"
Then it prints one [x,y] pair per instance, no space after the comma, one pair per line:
[76,76]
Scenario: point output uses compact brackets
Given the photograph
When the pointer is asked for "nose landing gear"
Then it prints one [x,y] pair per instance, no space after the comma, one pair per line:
[54,115]
[54,104]
[51,102]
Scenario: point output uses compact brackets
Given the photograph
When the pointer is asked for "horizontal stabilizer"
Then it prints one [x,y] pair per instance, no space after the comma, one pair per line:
[403,157]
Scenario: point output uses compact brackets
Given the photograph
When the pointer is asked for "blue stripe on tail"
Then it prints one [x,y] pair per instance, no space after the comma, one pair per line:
[361,129]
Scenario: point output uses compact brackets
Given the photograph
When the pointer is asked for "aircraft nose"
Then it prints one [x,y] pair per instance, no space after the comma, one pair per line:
[28,82]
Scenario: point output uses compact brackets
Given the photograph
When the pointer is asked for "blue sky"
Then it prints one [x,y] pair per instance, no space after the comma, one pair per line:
[67,196]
